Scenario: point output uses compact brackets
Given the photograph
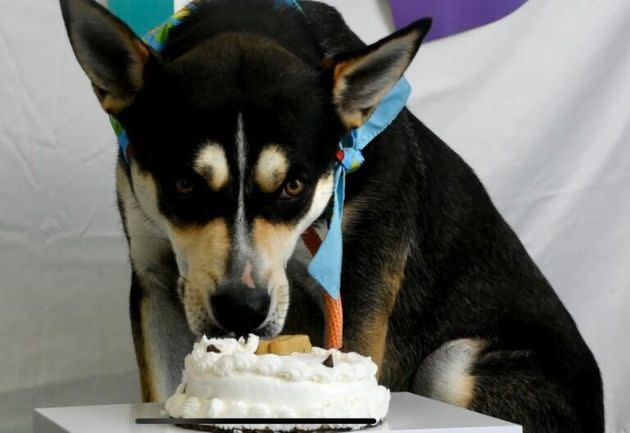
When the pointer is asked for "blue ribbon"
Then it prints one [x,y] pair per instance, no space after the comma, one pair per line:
[326,264]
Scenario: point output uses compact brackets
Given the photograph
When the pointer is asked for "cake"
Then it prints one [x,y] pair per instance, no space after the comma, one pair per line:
[283,378]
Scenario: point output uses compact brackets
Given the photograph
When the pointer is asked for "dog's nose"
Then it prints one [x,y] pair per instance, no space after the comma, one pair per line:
[240,309]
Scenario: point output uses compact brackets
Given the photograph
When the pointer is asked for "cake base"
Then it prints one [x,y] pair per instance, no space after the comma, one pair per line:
[215,429]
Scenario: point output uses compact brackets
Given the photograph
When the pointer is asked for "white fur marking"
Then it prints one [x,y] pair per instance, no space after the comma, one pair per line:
[321,197]
[148,242]
[240,229]
[445,374]
[148,245]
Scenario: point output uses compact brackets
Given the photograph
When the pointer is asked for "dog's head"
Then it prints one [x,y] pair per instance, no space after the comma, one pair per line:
[233,150]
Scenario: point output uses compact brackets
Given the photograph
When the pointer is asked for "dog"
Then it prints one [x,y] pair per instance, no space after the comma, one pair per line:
[233,127]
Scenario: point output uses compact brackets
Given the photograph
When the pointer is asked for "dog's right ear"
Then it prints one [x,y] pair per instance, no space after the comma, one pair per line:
[111,55]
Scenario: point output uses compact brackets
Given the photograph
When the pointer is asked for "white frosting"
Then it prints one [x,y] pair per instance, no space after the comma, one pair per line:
[237,383]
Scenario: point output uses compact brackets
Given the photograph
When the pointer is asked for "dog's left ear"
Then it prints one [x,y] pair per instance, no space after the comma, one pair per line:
[111,55]
[362,79]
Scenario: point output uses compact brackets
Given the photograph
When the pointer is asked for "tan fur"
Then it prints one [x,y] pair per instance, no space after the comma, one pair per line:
[350,119]
[342,69]
[137,69]
[274,244]
[114,105]
[271,169]
[144,356]
[393,277]
[205,249]
[372,339]
[466,391]
[353,117]
[212,165]
[111,99]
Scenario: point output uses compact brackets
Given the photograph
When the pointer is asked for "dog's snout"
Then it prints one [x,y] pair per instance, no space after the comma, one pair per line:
[239,308]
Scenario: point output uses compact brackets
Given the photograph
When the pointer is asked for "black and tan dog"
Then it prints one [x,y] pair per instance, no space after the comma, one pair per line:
[234,127]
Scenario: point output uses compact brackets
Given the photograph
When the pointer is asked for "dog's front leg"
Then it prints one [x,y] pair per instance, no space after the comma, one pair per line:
[160,331]
[369,294]
[161,338]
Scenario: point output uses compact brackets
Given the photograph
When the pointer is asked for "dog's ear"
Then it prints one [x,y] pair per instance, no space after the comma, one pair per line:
[111,55]
[361,79]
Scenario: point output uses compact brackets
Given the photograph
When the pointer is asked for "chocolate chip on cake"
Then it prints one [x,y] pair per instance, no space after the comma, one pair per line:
[212,348]
[328,362]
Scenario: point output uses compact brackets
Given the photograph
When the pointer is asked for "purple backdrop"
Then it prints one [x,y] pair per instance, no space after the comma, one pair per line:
[452,16]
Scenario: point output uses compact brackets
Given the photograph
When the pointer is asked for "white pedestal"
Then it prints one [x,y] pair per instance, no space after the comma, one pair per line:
[408,413]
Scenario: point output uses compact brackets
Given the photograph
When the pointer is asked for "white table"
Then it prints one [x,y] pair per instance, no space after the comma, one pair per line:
[408,413]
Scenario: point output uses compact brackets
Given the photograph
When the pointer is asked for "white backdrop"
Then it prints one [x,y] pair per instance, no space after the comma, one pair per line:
[537,103]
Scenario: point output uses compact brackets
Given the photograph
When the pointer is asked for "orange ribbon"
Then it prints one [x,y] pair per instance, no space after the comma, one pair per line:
[333,311]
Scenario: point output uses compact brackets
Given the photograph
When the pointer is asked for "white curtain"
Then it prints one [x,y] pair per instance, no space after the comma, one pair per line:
[537,103]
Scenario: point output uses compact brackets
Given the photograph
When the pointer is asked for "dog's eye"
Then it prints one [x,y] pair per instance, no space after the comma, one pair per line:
[184,185]
[293,188]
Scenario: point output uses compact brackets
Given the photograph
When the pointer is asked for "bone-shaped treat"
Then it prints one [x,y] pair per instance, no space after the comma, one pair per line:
[285,345]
